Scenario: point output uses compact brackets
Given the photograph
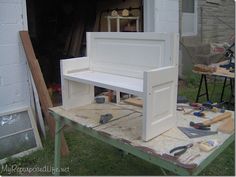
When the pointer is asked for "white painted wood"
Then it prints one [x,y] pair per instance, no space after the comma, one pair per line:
[14,80]
[14,95]
[161,16]
[142,64]
[24,15]
[21,154]
[35,129]
[38,110]
[109,81]
[118,18]
[149,15]
[128,54]
[74,93]
[160,89]
[117,96]
[11,74]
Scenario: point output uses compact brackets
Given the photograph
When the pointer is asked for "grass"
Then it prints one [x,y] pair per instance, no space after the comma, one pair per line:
[89,156]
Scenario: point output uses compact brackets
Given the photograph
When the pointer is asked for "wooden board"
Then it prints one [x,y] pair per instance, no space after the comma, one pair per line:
[134,101]
[127,126]
[44,97]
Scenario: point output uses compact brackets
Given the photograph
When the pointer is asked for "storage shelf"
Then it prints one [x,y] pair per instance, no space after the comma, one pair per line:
[114,82]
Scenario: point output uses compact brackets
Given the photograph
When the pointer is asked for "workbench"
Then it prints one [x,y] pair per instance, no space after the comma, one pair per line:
[124,131]
[220,73]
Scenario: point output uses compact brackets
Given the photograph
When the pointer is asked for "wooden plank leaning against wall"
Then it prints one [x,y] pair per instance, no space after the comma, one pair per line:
[44,97]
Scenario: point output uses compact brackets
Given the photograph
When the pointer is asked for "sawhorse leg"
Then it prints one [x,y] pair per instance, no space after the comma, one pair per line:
[231,89]
[203,78]
[223,90]
[57,155]
[231,84]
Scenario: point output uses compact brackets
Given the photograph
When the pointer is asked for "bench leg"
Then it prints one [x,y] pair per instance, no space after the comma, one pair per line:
[57,155]
[117,97]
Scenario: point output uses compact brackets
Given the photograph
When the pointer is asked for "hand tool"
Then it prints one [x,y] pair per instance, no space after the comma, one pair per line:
[199,114]
[100,99]
[227,126]
[214,107]
[208,145]
[196,133]
[218,118]
[200,126]
[191,158]
[105,118]
[181,149]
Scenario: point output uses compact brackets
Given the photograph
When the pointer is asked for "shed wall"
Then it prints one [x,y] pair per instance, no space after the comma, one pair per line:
[15,87]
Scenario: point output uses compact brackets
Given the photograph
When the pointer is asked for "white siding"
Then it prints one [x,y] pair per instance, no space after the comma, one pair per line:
[14,79]
[161,16]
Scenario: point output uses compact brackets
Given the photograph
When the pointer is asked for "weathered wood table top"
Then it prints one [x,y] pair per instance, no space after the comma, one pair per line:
[126,128]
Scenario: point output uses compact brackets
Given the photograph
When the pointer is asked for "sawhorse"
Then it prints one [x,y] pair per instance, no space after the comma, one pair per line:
[204,79]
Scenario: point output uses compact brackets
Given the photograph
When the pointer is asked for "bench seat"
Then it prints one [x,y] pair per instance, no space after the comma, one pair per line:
[110,81]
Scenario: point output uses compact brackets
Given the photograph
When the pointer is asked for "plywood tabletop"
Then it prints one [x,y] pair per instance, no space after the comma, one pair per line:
[126,124]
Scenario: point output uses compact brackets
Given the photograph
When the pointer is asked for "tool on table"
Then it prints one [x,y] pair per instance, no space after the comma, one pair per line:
[191,158]
[216,107]
[100,99]
[193,106]
[196,133]
[206,124]
[208,145]
[218,118]
[181,149]
[199,113]
[105,118]
[227,126]
[200,126]
[182,99]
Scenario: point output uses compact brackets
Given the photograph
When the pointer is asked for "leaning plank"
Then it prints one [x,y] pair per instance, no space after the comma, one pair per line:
[44,97]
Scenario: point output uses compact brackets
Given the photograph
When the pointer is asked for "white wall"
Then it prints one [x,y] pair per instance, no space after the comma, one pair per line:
[161,16]
[15,88]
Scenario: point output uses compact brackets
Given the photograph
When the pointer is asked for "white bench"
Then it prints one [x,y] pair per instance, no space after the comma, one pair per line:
[142,64]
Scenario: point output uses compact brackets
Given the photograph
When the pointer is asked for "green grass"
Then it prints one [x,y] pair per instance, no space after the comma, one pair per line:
[89,156]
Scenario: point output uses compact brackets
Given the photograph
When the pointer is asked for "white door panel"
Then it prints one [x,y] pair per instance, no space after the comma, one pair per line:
[160,88]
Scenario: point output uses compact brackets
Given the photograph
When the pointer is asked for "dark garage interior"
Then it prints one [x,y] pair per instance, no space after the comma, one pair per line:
[58,28]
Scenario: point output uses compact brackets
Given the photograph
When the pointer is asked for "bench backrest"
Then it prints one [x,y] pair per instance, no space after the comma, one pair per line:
[129,54]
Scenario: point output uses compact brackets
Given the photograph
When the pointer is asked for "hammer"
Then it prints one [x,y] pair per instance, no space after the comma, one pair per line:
[217,118]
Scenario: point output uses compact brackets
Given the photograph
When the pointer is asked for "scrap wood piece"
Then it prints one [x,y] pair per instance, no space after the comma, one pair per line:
[44,97]
[204,68]
[224,71]
[77,37]
[134,101]
[227,126]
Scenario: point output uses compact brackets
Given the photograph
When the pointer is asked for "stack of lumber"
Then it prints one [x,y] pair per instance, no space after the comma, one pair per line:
[74,39]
